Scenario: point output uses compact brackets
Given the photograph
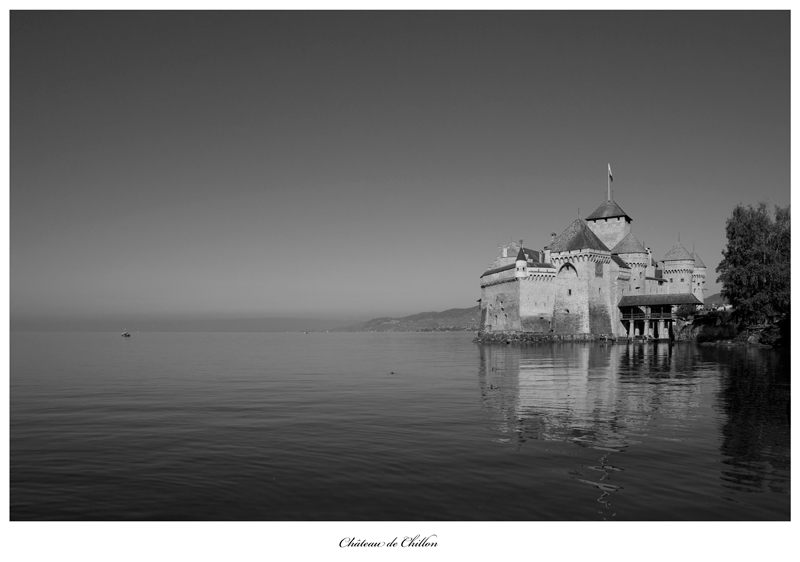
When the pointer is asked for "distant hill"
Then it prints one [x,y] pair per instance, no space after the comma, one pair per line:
[455,319]
[715,300]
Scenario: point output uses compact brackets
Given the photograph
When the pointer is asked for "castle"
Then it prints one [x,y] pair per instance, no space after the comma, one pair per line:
[594,279]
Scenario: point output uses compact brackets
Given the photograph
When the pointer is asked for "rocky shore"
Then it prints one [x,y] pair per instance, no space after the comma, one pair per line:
[530,337]
[741,340]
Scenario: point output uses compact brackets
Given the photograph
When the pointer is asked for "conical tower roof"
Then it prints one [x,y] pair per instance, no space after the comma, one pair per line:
[608,210]
[697,261]
[521,255]
[678,253]
[629,245]
[577,236]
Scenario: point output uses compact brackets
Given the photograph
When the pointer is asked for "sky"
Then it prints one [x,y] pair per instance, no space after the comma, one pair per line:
[350,165]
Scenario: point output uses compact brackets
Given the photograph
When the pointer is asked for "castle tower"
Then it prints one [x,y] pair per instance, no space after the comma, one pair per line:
[636,256]
[610,223]
[521,263]
[581,298]
[678,269]
[698,278]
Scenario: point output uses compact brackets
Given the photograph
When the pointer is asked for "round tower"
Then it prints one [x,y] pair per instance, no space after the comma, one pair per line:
[698,278]
[635,255]
[678,269]
[522,264]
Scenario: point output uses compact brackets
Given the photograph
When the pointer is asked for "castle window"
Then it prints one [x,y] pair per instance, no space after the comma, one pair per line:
[566,310]
[681,279]
[670,280]
[569,292]
[598,269]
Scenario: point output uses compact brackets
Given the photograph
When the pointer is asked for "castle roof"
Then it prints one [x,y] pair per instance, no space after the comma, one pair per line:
[607,210]
[498,269]
[619,261]
[678,253]
[577,236]
[521,255]
[533,254]
[697,261]
[658,300]
[629,245]
[513,266]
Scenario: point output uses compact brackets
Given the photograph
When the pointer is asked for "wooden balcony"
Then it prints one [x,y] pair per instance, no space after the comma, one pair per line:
[648,316]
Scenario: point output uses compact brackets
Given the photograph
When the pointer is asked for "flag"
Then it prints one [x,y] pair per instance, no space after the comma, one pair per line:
[609,173]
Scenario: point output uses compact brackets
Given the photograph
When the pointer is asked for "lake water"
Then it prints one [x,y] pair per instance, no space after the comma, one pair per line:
[407,426]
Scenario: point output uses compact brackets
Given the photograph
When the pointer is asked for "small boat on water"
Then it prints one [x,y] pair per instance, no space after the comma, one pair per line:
[126,334]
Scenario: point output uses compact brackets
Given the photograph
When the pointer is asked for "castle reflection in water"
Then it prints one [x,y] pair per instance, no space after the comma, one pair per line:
[725,407]
[589,394]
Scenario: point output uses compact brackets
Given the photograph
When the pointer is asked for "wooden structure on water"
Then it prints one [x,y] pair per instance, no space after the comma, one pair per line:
[652,316]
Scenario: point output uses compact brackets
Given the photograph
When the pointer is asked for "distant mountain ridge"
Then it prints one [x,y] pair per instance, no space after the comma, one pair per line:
[454,319]
[715,300]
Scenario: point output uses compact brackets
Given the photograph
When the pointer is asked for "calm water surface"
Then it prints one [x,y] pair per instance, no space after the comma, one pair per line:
[329,426]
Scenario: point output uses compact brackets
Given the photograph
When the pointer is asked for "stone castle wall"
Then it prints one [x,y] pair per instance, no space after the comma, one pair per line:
[599,295]
[610,231]
[638,274]
[571,299]
[619,287]
[655,288]
[679,275]
[500,306]
[536,302]
[698,282]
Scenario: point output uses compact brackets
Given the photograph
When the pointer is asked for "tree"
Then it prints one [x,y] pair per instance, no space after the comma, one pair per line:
[686,311]
[755,269]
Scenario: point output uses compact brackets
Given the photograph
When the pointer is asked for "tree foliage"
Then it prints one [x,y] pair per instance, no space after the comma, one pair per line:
[686,311]
[755,269]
